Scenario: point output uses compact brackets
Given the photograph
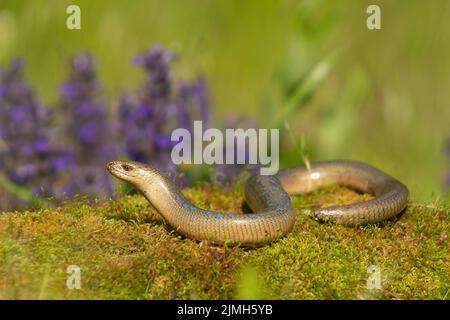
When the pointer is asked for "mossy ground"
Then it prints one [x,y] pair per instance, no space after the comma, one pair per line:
[125,251]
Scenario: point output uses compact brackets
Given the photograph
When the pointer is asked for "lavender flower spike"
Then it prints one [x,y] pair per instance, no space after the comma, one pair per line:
[157,108]
[87,127]
[28,155]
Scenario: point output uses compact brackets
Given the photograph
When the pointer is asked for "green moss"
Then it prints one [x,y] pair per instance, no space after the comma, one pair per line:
[126,251]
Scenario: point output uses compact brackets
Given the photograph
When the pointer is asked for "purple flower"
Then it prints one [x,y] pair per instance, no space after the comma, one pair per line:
[41,146]
[88,128]
[193,103]
[89,180]
[28,149]
[226,174]
[23,173]
[61,161]
[69,90]
[156,62]
[160,106]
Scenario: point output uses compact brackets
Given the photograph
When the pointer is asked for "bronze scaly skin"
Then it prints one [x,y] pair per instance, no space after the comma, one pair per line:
[268,197]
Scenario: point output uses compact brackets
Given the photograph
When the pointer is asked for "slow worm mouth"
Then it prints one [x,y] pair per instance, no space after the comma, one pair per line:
[115,168]
[111,166]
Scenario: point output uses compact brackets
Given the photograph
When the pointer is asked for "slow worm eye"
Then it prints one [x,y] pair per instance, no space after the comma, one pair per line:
[126,167]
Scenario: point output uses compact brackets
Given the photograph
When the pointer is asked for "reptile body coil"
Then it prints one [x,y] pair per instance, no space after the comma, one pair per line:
[268,196]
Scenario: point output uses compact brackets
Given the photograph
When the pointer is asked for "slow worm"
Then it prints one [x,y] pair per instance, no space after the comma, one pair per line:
[268,196]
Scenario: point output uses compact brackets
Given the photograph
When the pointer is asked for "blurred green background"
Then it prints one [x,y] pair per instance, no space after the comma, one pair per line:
[380,96]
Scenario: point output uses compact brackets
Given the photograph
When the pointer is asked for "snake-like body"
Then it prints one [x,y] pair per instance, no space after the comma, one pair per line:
[268,196]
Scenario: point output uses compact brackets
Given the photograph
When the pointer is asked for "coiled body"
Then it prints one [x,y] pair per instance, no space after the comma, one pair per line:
[268,197]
